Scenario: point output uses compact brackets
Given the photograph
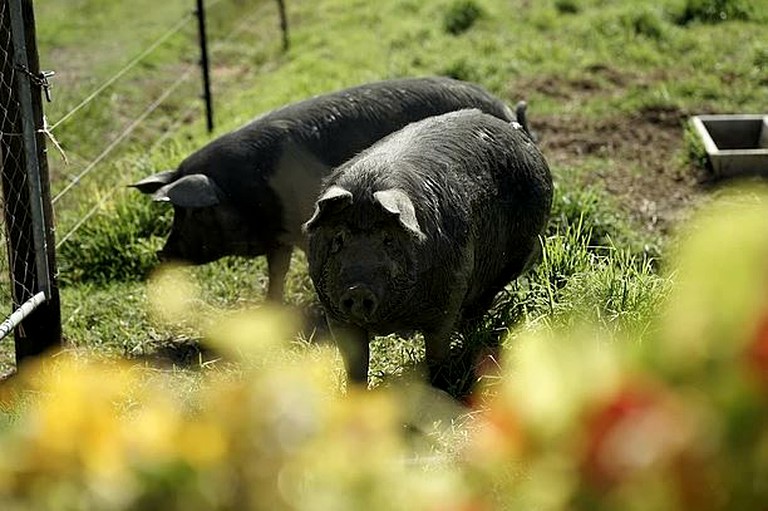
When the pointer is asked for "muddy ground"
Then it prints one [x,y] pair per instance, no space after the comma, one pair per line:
[638,159]
[645,173]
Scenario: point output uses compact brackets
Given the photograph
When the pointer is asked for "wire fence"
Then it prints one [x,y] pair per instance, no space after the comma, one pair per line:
[86,157]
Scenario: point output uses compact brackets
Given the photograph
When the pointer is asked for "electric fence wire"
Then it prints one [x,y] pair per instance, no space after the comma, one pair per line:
[194,105]
[130,65]
[136,123]
[141,56]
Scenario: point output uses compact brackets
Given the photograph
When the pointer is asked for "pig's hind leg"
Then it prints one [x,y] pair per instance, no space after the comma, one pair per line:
[278,262]
[458,371]
[440,367]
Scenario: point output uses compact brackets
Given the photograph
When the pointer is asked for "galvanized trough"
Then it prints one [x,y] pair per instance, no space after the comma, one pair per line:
[736,144]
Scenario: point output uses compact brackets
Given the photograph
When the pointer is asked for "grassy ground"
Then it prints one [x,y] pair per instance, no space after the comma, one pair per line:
[609,84]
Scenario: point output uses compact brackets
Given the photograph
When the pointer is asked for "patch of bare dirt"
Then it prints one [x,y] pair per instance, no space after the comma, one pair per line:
[639,157]
[644,167]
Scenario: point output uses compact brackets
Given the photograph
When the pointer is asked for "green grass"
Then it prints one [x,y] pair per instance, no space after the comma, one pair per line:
[460,16]
[596,264]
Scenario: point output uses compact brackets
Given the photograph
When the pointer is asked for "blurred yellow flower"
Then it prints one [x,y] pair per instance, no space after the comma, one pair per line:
[171,293]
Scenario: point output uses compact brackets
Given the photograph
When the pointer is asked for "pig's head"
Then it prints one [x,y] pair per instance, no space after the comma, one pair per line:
[363,254]
[206,226]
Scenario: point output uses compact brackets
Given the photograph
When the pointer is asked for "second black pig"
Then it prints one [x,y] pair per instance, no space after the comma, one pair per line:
[248,192]
[420,232]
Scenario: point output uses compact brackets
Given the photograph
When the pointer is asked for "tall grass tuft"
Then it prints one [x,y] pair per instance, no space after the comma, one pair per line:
[716,11]
[460,16]
[644,22]
[567,6]
[117,244]
[695,153]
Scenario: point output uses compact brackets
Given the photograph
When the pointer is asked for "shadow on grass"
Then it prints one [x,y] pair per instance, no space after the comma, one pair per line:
[182,352]
[194,353]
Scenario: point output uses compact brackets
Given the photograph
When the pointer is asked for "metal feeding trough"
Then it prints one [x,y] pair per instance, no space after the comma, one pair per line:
[736,144]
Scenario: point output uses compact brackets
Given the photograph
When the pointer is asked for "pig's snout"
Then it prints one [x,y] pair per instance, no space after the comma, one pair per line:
[359,302]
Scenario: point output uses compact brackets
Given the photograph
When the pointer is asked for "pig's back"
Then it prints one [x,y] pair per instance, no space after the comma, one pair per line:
[338,125]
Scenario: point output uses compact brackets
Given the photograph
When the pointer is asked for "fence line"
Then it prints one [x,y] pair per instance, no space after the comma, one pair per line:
[37,315]
[167,35]
[193,105]
[122,136]
[91,166]
[159,41]
[151,108]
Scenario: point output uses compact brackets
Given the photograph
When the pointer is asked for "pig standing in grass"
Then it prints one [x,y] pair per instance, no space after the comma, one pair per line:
[421,230]
[248,192]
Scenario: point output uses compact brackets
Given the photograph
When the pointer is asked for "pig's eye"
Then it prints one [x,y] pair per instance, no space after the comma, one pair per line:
[337,242]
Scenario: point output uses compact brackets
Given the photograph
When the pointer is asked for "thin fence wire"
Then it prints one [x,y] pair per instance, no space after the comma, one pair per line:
[194,105]
[90,167]
[125,133]
[136,122]
[175,29]
[128,67]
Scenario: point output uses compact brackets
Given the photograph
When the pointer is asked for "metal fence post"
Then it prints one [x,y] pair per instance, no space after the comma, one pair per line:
[283,23]
[200,12]
[26,189]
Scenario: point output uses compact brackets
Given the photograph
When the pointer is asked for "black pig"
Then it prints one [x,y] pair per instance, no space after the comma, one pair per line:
[248,192]
[421,230]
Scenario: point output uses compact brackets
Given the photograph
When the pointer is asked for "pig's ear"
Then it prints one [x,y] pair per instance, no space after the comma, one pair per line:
[397,202]
[334,199]
[152,183]
[193,191]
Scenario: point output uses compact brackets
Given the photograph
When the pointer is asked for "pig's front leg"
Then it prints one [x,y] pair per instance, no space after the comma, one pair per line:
[437,337]
[278,261]
[437,344]
[353,344]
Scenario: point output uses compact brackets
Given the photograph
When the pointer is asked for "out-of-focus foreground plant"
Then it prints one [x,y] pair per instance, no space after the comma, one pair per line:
[577,420]
[677,422]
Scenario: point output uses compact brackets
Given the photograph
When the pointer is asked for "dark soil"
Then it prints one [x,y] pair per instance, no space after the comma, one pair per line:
[644,171]
[639,157]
